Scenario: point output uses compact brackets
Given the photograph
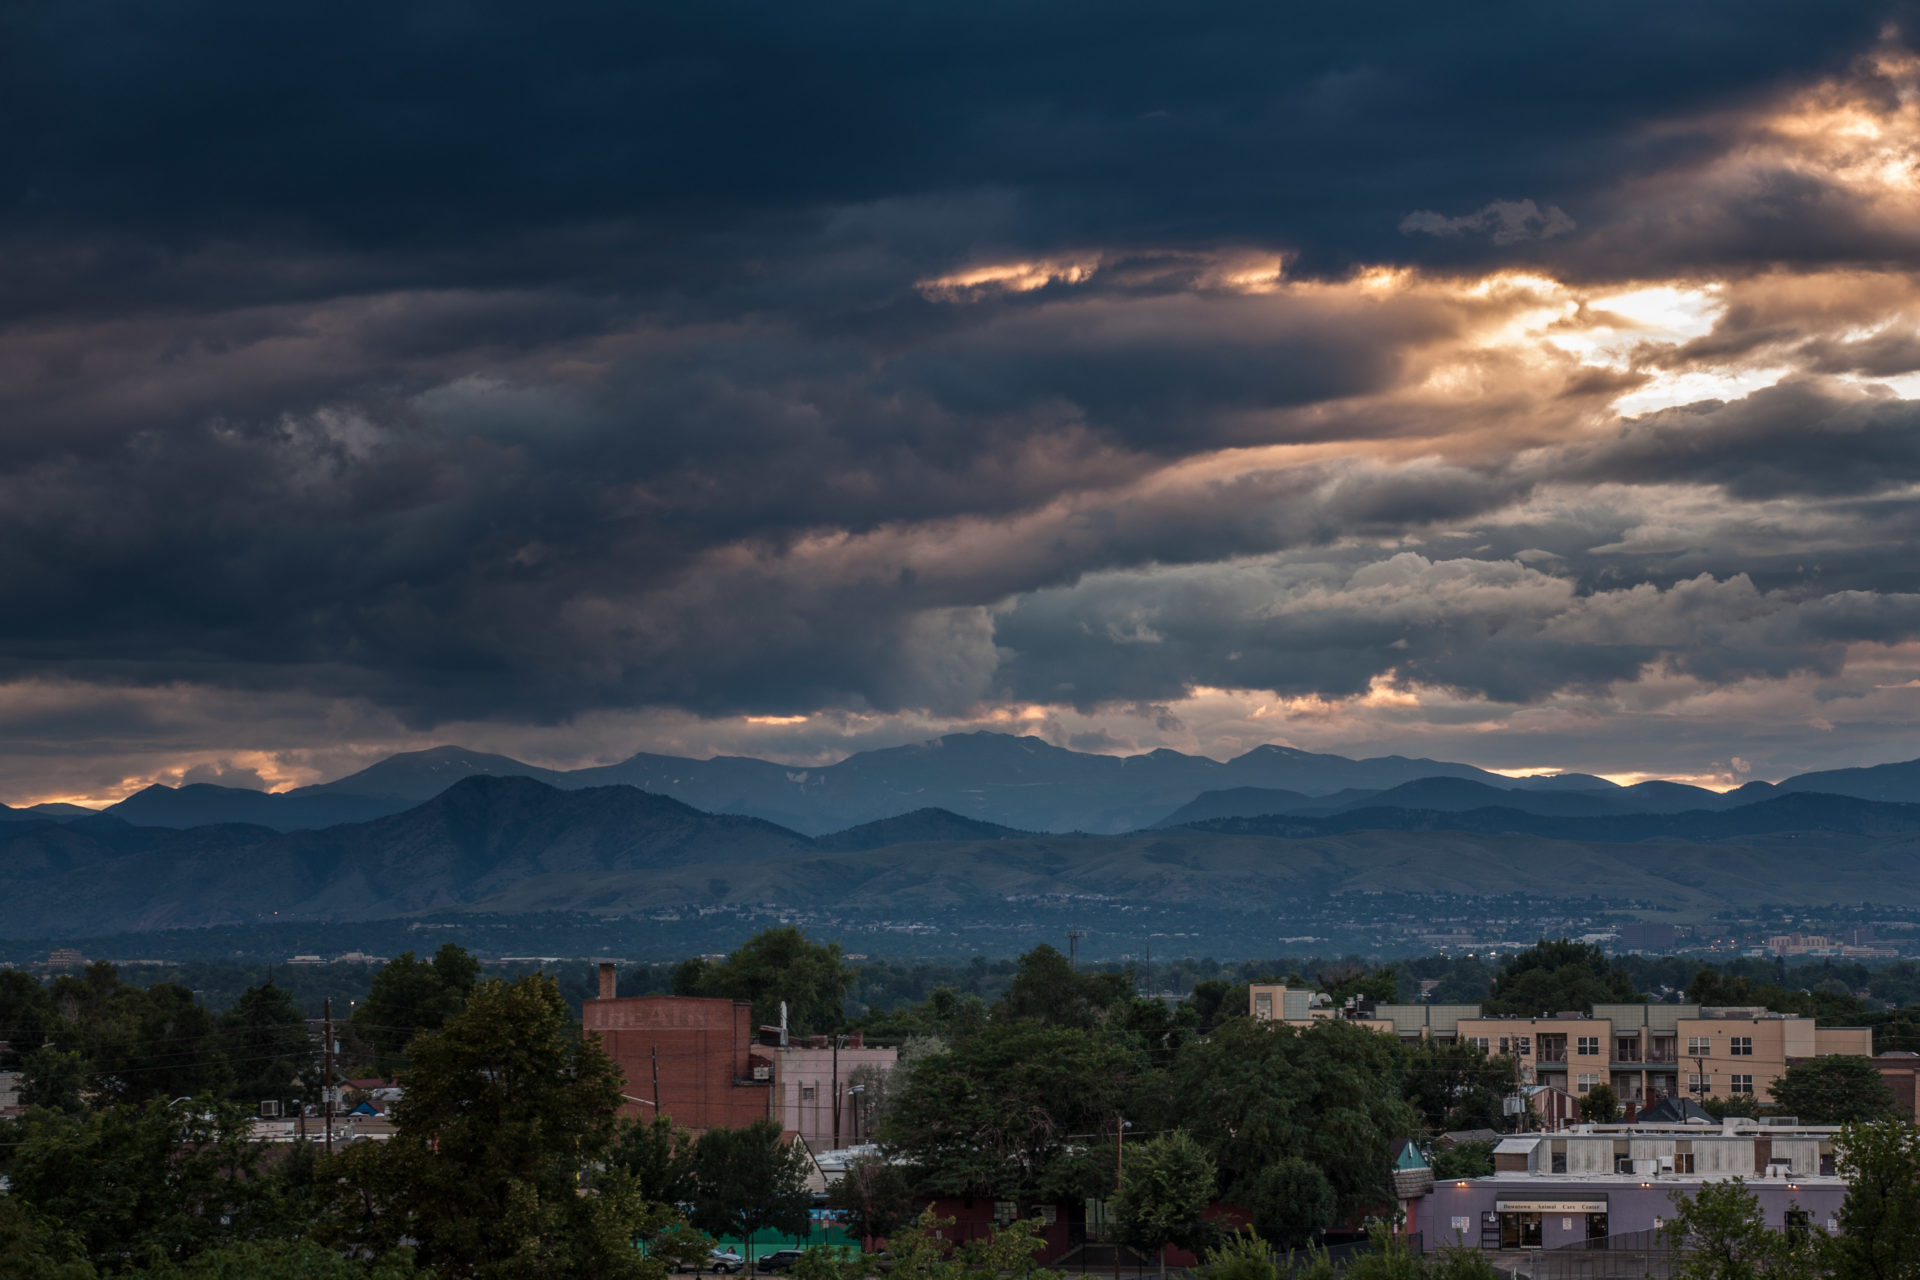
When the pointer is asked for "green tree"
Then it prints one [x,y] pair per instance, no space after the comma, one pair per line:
[34,1247]
[1290,1201]
[1240,1256]
[1466,1160]
[506,1108]
[148,1183]
[1833,1090]
[1721,1234]
[409,996]
[1046,989]
[778,965]
[998,1113]
[923,1253]
[1457,1086]
[1880,1218]
[1329,1094]
[266,1040]
[1552,976]
[747,1179]
[1600,1105]
[28,1014]
[1212,1002]
[140,1044]
[873,1195]
[658,1155]
[287,1260]
[1164,1193]
[54,1079]
[945,1014]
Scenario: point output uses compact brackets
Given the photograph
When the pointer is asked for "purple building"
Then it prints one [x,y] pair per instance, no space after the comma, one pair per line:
[1595,1182]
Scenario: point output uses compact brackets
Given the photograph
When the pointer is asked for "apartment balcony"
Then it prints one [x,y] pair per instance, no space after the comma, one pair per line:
[1665,1057]
[1551,1062]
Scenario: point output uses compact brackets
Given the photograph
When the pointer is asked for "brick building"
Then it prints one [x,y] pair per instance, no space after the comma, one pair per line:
[688,1058]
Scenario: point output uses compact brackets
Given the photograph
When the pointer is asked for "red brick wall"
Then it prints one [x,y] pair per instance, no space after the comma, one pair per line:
[704,1056]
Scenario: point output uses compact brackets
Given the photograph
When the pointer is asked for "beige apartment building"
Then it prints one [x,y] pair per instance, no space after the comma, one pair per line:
[1644,1051]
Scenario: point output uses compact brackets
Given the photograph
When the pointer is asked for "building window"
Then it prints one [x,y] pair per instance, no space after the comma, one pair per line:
[806,1092]
[1741,1047]
[1588,1045]
[1263,1005]
[1523,1044]
[1587,1081]
[1699,1045]
[1683,1162]
[1741,1084]
[1503,1044]
[1697,1083]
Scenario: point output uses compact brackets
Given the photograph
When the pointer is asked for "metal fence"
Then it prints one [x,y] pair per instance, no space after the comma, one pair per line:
[1631,1255]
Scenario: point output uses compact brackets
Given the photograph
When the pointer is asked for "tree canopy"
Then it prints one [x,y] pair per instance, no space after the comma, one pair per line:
[1166,1185]
[505,1108]
[1833,1090]
[1329,1094]
[1552,976]
[409,996]
[1005,1111]
[747,1179]
[773,966]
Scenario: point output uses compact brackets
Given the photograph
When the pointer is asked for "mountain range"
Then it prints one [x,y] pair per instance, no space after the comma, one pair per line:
[1015,782]
[507,844]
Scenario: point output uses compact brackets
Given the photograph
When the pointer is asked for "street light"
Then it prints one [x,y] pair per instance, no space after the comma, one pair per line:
[642,1101]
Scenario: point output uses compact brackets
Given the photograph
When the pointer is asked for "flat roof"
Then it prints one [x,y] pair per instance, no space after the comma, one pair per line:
[1515,1180]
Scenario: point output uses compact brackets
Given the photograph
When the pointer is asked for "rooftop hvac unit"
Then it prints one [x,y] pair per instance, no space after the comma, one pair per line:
[270,1109]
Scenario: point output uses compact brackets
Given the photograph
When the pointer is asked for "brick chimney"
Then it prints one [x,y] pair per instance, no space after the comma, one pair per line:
[606,979]
[857,1040]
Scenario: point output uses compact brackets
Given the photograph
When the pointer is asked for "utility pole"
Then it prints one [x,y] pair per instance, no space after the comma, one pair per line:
[836,1093]
[326,1071]
[1119,1165]
[656,1082]
[1073,949]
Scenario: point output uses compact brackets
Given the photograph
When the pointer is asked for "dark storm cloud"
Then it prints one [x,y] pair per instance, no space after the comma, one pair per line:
[1497,630]
[497,361]
[1794,438]
[358,127]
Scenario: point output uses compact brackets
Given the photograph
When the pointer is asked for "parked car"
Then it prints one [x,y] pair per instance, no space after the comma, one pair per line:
[779,1260]
[724,1261]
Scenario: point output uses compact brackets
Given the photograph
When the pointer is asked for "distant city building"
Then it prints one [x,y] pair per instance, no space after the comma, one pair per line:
[1644,1052]
[63,958]
[1641,935]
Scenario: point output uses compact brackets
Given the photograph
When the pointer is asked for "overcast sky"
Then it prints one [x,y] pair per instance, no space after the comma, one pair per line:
[1531,385]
